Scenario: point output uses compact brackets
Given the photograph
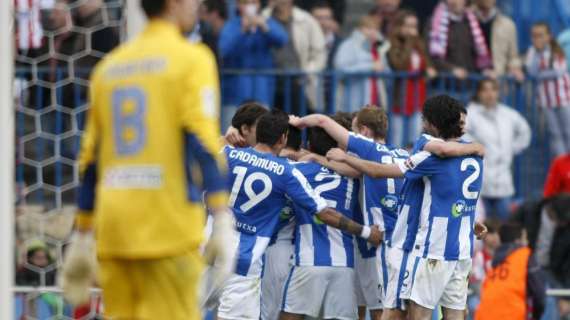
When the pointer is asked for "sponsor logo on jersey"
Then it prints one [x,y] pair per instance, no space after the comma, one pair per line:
[390,202]
[458,208]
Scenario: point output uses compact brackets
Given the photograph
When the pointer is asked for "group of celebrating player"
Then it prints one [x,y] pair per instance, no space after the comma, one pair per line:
[349,223]
[345,222]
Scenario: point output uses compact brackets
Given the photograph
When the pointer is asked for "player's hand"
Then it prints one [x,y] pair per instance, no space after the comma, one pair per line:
[220,250]
[79,268]
[480,230]
[234,138]
[376,236]
[479,149]
[336,154]
[296,122]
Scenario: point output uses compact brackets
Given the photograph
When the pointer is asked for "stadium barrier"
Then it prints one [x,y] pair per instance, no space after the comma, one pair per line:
[51,107]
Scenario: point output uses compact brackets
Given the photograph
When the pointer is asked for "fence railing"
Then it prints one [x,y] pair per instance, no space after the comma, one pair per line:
[51,107]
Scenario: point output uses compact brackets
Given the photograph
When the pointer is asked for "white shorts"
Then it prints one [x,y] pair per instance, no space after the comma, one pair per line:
[400,264]
[238,299]
[371,274]
[278,262]
[440,282]
[321,292]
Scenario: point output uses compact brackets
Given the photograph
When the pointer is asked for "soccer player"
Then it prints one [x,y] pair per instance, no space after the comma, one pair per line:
[445,221]
[261,184]
[321,284]
[154,105]
[380,196]
[281,249]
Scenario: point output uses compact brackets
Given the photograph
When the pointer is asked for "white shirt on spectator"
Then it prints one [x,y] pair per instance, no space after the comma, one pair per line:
[504,133]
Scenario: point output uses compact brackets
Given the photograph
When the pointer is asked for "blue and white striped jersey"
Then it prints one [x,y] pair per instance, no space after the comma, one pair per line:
[317,244]
[447,216]
[261,184]
[379,197]
[410,204]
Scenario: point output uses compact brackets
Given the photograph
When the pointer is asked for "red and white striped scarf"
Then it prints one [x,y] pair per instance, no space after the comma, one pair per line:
[29,32]
[439,33]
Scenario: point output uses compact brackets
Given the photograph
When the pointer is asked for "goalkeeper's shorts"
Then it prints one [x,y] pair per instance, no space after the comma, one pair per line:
[165,288]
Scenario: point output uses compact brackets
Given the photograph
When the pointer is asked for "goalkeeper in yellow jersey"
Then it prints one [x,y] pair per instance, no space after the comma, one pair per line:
[154,112]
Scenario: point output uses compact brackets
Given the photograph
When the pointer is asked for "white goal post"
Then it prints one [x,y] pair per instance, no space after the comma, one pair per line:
[7,160]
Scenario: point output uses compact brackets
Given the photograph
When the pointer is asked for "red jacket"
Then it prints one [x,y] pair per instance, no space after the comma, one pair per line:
[558,180]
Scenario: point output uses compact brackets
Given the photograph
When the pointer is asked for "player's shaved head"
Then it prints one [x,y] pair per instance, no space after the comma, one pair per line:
[272,126]
[444,114]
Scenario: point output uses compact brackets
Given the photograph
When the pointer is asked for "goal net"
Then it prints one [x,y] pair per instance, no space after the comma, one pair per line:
[57,43]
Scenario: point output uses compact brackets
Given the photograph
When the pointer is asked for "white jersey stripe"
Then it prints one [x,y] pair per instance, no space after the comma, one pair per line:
[338,252]
[437,244]
[401,229]
[306,248]
[378,218]
[261,244]
[464,238]
[424,214]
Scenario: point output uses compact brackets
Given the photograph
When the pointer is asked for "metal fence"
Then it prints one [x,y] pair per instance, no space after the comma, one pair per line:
[328,92]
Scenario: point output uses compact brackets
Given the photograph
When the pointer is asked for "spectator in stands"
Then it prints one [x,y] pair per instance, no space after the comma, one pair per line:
[337,6]
[547,223]
[245,43]
[504,133]
[564,41]
[323,13]
[545,60]
[455,40]
[305,51]
[559,257]
[482,258]
[94,38]
[423,9]
[37,259]
[500,36]
[363,52]
[386,10]
[558,179]
[407,53]
[213,16]
[97,41]
[515,279]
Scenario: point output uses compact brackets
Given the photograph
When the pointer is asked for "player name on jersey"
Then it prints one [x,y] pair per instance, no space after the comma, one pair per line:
[256,161]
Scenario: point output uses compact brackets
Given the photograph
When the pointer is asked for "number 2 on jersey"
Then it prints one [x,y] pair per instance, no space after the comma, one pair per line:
[247,183]
[129,111]
[466,163]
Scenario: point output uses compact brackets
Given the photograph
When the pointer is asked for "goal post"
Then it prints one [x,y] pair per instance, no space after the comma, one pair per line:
[135,18]
[6,160]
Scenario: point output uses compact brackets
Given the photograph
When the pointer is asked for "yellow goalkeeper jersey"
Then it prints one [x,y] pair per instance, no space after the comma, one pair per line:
[151,146]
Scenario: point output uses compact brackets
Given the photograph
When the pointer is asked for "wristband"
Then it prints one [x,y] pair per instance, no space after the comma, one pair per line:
[365,233]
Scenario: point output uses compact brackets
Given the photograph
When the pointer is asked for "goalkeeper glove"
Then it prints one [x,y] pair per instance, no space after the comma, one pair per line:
[79,268]
[220,250]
